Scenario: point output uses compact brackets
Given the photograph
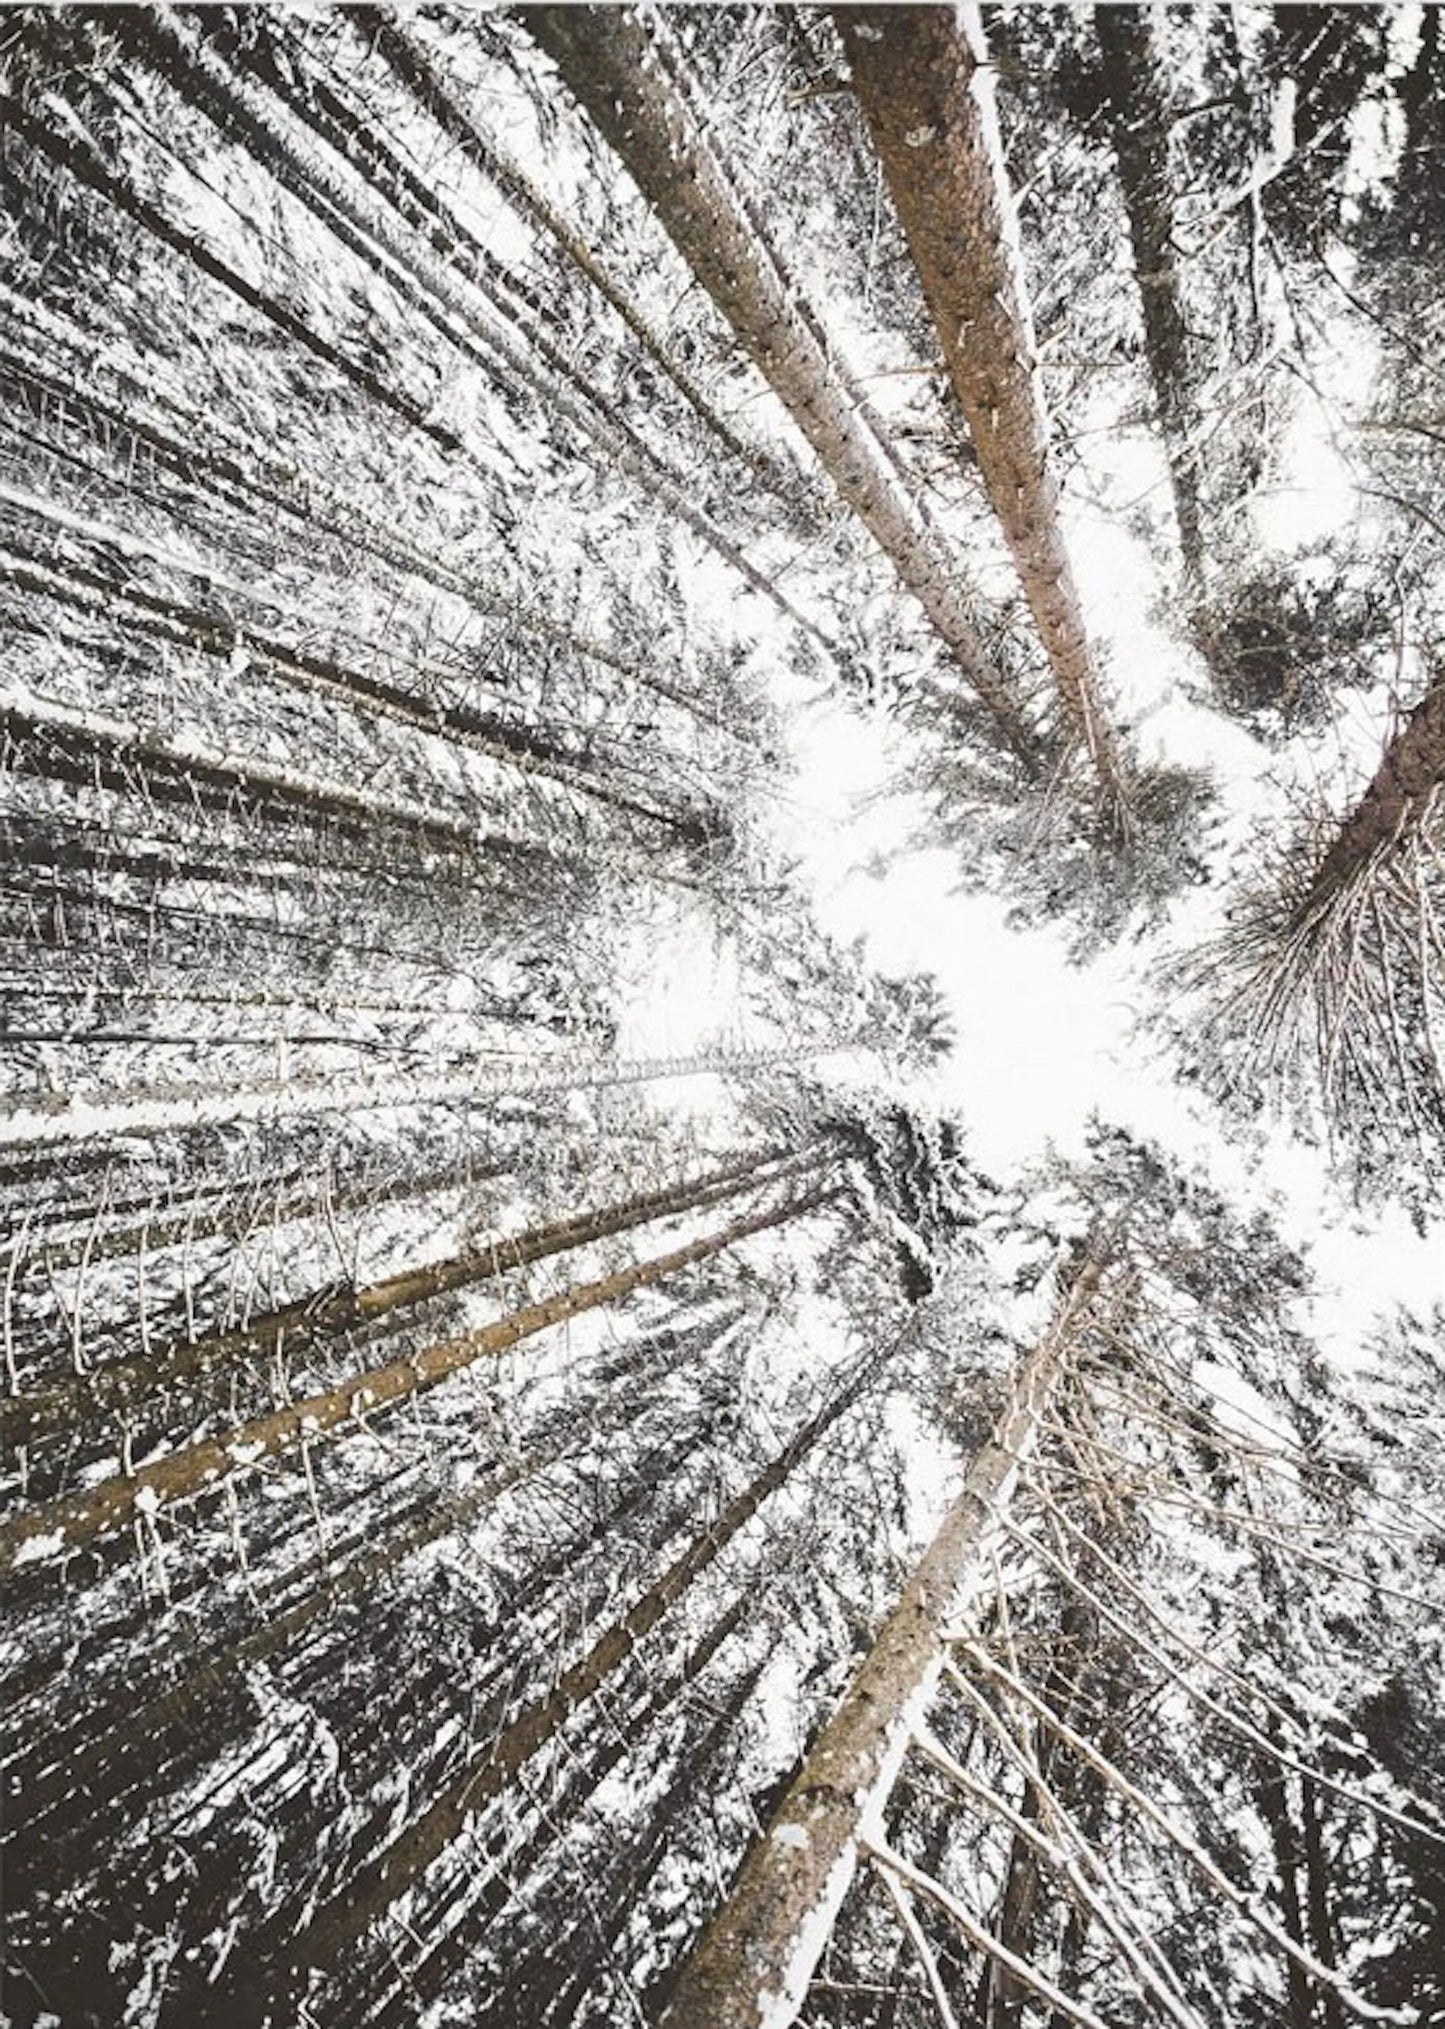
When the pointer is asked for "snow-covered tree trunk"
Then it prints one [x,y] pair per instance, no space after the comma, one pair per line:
[327,1312]
[497,1762]
[54,1528]
[607,59]
[416,70]
[754,1962]
[51,1122]
[1139,130]
[925,90]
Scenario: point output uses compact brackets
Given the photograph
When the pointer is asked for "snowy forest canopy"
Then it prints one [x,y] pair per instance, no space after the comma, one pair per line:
[723,783]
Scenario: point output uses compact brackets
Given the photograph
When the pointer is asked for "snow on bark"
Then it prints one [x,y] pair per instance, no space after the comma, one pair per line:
[71,1119]
[1399,795]
[69,1405]
[98,1511]
[606,58]
[752,1967]
[497,1762]
[926,93]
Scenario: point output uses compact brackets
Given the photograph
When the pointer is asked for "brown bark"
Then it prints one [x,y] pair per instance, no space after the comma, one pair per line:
[44,1533]
[754,1961]
[607,60]
[66,1407]
[1139,129]
[1411,770]
[487,1773]
[923,91]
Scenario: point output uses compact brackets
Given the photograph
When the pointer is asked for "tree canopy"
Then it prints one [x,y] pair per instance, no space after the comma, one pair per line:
[722,1108]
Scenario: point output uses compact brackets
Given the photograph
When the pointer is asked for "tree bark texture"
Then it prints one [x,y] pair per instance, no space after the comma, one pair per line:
[606,59]
[1397,800]
[752,1967]
[925,91]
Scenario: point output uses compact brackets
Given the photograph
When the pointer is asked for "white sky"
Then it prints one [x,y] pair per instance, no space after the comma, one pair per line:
[1044,1045]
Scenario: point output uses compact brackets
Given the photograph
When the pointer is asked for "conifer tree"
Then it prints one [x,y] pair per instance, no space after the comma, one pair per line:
[924,89]
[611,62]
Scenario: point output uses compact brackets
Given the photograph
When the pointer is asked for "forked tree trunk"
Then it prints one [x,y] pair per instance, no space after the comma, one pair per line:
[925,90]
[752,1968]
[51,1530]
[1139,128]
[608,62]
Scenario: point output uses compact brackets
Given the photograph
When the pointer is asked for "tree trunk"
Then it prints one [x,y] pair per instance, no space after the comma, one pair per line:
[1317,1896]
[1396,801]
[1273,1796]
[74,152]
[608,62]
[412,66]
[428,288]
[1003,1997]
[1420,185]
[49,1123]
[583,1777]
[67,1756]
[65,1409]
[1139,128]
[487,1773]
[217,632]
[94,752]
[926,93]
[236,474]
[756,1958]
[42,1534]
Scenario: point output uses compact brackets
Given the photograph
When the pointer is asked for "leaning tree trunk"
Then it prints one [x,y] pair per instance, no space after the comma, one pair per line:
[1397,801]
[1139,129]
[89,1400]
[926,94]
[53,1529]
[608,61]
[756,1958]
